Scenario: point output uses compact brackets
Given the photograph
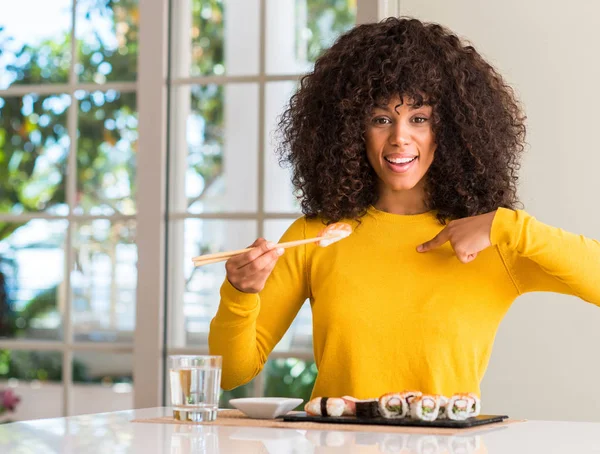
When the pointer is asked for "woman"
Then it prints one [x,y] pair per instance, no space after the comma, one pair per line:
[410,136]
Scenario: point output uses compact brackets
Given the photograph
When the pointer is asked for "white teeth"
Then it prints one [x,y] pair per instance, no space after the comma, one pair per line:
[401,160]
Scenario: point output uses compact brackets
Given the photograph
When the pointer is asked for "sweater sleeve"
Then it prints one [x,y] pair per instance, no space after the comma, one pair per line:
[247,326]
[540,257]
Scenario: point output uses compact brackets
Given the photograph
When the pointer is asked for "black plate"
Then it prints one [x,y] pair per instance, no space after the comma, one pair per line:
[471,422]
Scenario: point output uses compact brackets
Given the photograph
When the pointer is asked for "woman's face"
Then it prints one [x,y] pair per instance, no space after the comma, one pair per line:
[400,144]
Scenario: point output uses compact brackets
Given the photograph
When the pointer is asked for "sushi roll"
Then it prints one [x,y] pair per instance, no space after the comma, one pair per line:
[325,406]
[368,408]
[393,406]
[425,407]
[476,407]
[443,402]
[460,407]
[350,405]
[409,396]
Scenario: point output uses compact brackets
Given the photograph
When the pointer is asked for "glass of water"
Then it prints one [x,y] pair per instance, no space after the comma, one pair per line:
[195,384]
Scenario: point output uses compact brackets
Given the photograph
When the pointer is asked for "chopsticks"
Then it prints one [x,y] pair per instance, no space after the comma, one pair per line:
[222,256]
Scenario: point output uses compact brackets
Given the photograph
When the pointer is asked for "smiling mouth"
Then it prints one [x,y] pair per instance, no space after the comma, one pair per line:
[401,161]
[400,165]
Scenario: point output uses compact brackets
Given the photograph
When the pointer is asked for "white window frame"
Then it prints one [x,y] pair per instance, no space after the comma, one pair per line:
[67,346]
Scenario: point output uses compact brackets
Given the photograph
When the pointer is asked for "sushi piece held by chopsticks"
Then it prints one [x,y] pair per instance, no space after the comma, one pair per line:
[327,236]
[334,232]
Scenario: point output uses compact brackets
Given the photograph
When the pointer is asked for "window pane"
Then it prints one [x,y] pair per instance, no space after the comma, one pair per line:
[103,281]
[279,192]
[35,378]
[214,131]
[290,377]
[299,30]
[215,37]
[194,292]
[102,382]
[107,40]
[34,144]
[106,152]
[31,275]
[275,228]
[34,49]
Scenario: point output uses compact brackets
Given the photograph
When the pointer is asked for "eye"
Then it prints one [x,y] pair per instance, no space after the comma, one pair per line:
[381,121]
[420,119]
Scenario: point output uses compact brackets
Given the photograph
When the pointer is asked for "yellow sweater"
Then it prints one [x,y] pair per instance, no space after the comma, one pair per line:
[387,318]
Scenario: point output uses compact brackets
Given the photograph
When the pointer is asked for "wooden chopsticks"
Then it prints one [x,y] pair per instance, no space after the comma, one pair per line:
[222,256]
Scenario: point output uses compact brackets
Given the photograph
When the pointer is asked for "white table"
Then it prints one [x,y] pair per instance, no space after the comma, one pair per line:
[114,433]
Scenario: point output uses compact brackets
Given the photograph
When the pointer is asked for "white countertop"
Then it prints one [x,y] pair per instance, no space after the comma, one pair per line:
[114,433]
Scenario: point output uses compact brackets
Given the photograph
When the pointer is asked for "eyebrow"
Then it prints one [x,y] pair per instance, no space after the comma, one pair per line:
[411,106]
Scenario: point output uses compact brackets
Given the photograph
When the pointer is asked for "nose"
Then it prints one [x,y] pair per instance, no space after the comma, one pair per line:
[399,135]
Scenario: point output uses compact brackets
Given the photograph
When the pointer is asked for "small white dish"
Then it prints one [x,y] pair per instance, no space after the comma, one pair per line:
[265,407]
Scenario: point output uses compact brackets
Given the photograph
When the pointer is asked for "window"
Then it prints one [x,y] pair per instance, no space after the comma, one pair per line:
[68,256]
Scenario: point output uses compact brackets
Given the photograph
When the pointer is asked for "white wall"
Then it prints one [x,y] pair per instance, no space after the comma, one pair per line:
[545,364]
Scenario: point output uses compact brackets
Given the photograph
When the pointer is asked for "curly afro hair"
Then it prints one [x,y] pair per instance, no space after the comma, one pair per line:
[477,122]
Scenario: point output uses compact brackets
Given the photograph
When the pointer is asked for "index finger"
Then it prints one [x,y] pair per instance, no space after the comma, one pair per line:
[437,241]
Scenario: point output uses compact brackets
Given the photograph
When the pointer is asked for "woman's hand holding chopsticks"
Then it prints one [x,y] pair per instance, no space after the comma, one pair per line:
[249,271]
